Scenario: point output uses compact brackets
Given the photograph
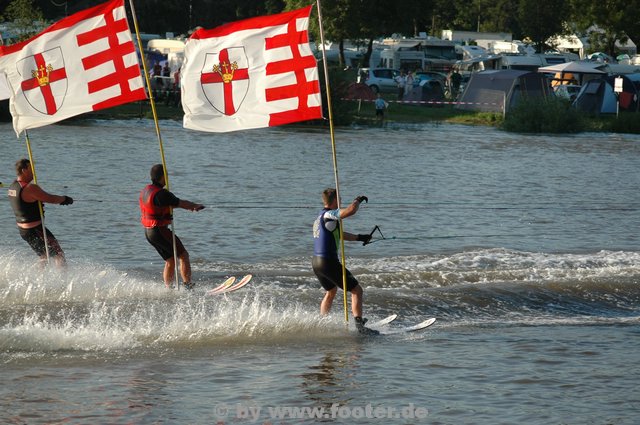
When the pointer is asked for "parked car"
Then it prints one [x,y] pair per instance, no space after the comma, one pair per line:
[422,77]
[429,75]
[379,79]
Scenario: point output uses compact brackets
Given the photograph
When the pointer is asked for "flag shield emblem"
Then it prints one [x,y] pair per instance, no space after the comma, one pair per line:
[44,80]
[225,79]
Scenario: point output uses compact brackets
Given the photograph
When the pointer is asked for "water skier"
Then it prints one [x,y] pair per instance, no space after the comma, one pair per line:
[326,264]
[155,208]
[24,197]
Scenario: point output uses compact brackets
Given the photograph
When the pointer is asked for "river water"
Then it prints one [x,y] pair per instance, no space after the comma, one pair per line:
[524,247]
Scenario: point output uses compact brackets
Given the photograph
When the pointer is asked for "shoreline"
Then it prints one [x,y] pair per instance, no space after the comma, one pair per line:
[349,113]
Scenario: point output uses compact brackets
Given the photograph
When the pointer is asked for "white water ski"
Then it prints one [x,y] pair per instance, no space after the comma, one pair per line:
[224,285]
[239,284]
[417,327]
[231,287]
[382,322]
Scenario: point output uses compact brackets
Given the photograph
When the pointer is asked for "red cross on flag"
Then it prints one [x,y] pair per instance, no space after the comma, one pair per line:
[80,64]
[255,73]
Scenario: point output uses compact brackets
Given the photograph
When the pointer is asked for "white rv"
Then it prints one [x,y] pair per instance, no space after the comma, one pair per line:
[416,54]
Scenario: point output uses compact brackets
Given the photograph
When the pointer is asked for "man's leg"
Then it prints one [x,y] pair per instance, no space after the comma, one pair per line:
[185,269]
[356,301]
[169,272]
[356,309]
[55,250]
[327,301]
[35,238]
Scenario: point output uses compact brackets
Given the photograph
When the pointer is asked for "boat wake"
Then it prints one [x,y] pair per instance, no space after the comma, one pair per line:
[94,309]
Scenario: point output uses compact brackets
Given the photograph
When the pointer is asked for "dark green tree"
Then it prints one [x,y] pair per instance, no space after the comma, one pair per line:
[337,21]
[470,15]
[613,19]
[409,17]
[539,21]
[502,16]
[27,18]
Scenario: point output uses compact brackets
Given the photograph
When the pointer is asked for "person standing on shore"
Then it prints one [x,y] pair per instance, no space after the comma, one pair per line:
[156,203]
[24,197]
[401,81]
[408,83]
[326,264]
[454,82]
[381,105]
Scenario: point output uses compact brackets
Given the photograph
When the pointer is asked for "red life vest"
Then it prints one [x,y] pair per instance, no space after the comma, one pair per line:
[152,215]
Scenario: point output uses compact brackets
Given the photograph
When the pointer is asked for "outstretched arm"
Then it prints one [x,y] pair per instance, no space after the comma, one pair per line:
[360,237]
[349,236]
[33,192]
[188,205]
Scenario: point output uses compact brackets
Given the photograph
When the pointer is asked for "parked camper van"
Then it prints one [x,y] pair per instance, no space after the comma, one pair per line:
[428,54]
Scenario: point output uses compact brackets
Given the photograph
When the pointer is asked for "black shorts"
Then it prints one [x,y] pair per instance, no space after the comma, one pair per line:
[35,239]
[161,239]
[329,273]
[380,112]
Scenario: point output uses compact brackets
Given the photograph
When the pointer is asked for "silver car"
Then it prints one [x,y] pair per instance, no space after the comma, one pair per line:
[379,79]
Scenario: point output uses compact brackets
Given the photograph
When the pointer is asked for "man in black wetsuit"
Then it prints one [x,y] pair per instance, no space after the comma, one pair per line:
[326,264]
[156,204]
[24,197]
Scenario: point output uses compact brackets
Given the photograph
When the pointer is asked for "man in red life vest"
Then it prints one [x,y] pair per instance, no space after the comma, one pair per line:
[24,197]
[155,206]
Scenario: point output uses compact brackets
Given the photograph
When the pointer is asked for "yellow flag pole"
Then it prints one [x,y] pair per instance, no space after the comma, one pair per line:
[335,161]
[40,207]
[157,125]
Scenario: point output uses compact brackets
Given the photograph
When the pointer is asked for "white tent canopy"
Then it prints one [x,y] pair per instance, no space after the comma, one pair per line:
[574,68]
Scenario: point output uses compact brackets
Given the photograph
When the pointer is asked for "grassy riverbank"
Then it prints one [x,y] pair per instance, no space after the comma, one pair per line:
[364,114]
[554,116]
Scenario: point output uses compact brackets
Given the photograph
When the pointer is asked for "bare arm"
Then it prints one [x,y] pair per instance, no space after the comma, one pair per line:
[350,210]
[349,236]
[191,206]
[33,192]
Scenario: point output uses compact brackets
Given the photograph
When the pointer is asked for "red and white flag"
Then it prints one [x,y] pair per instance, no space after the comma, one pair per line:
[80,64]
[255,73]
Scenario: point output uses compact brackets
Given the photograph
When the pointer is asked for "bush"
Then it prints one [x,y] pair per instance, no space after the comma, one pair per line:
[340,79]
[625,122]
[551,115]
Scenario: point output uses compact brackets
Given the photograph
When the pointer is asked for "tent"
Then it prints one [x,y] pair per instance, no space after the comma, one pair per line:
[580,71]
[359,91]
[500,90]
[596,97]
[575,67]
[425,92]
[629,97]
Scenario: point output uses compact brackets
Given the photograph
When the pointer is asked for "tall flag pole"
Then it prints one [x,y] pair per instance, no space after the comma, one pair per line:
[335,160]
[158,134]
[40,207]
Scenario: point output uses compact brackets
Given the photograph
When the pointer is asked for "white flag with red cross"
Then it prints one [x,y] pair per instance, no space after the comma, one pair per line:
[80,64]
[255,73]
